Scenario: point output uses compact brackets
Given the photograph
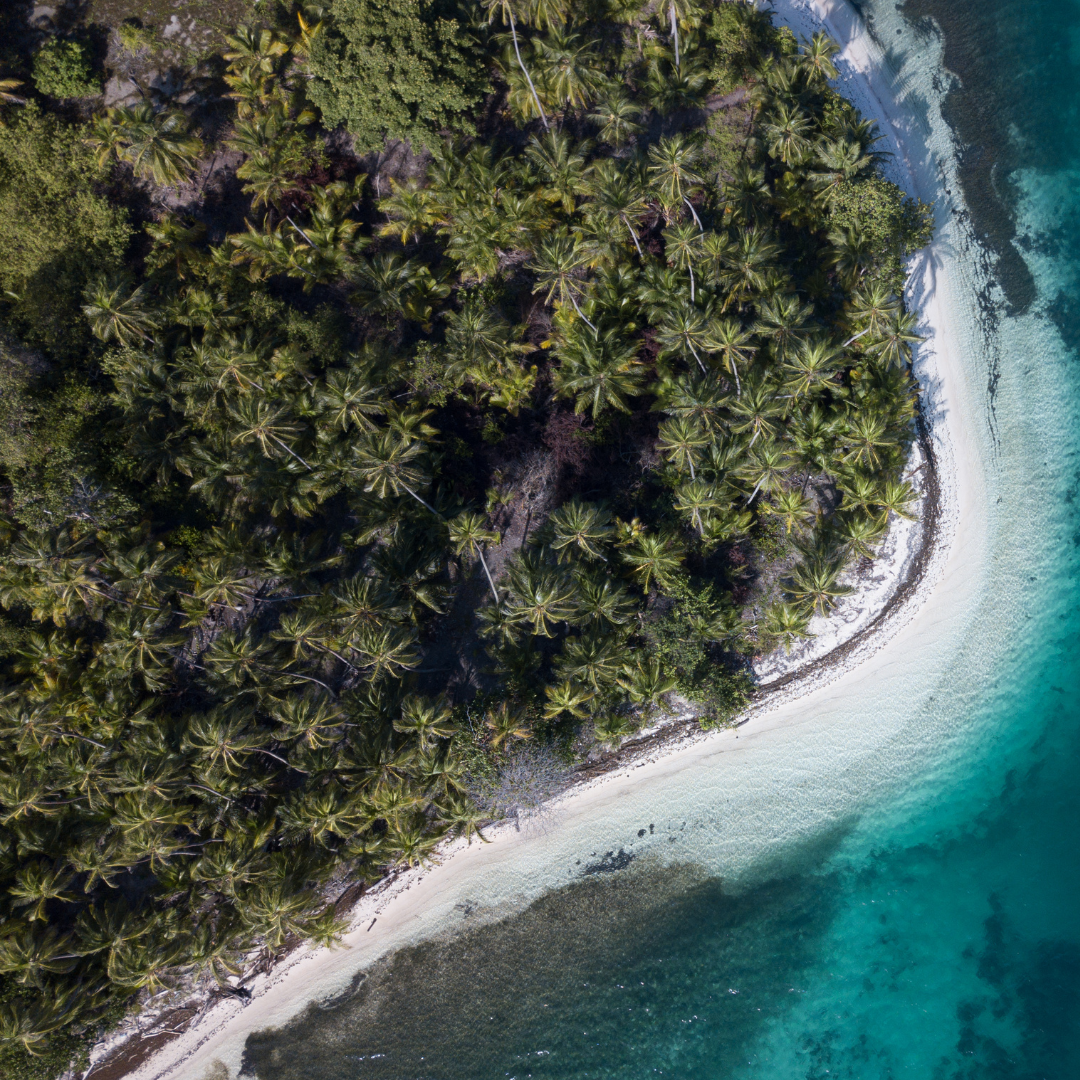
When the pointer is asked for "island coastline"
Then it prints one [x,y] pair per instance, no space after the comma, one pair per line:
[378,921]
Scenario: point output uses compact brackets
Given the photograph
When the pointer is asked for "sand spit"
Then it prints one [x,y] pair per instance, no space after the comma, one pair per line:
[920,594]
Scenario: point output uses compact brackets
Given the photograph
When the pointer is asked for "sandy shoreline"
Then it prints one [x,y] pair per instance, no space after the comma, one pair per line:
[938,581]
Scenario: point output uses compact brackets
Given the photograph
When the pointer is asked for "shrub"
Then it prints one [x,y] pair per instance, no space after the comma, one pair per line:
[403,70]
[683,635]
[135,38]
[62,69]
[894,224]
[57,232]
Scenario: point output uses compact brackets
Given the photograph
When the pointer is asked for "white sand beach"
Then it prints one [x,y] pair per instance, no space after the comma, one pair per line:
[810,755]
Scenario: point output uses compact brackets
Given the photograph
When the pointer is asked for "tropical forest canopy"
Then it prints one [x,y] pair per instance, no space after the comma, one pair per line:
[320,514]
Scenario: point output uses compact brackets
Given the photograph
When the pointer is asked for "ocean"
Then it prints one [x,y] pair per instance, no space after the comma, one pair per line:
[900,906]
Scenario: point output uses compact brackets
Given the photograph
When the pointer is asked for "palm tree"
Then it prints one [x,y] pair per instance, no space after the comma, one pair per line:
[814,364]
[787,133]
[686,13]
[757,411]
[733,343]
[645,683]
[866,434]
[384,465]
[427,720]
[852,254]
[599,372]
[653,557]
[747,265]
[791,507]
[787,622]
[560,166]
[569,70]
[541,598]
[468,534]
[697,399]
[685,328]
[595,659]
[893,346]
[582,528]
[259,49]
[556,265]
[29,1027]
[603,601]
[507,722]
[765,468]
[874,308]
[813,583]
[747,194]
[30,954]
[616,116]
[567,697]
[785,321]
[837,161]
[861,532]
[159,146]
[697,499]
[895,498]
[681,441]
[682,245]
[672,173]
[816,55]
[261,423]
[118,310]
[385,651]
[9,98]
[617,196]
[411,211]
[462,817]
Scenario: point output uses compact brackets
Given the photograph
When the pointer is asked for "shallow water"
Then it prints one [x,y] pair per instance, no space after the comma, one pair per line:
[903,906]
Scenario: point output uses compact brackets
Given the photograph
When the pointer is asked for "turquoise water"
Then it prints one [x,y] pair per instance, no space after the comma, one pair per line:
[936,932]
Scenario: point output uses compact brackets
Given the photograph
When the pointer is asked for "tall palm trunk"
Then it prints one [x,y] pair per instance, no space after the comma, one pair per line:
[483,563]
[581,313]
[675,35]
[525,70]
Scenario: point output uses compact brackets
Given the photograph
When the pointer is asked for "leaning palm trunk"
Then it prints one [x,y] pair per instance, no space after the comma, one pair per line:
[675,35]
[582,314]
[704,370]
[421,501]
[483,563]
[635,236]
[525,70]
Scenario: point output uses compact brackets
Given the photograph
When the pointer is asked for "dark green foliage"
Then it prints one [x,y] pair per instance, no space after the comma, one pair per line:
[62,69]
[51,458]
[405,69]
[50,1059]
[739,35]
[688,632]
[895,226]
[57,231]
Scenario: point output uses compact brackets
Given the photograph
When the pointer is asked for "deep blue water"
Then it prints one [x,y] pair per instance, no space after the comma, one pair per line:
[936,935]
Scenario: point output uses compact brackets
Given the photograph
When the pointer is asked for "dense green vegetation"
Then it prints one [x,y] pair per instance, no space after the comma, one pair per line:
[406,70]
[274,601]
